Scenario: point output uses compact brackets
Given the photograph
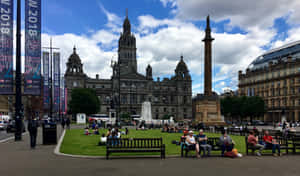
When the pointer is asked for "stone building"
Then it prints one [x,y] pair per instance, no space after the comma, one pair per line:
[169,96]
[275,76]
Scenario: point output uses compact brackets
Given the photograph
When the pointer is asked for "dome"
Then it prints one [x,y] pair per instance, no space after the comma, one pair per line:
[274,55]
[181,66]
[74,58]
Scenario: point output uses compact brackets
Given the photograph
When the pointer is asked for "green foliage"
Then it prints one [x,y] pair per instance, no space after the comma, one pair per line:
[125,116]
[166,117]
[84,101]
[240,107]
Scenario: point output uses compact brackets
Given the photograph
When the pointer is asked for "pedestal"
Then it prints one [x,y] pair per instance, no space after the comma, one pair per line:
[208,110]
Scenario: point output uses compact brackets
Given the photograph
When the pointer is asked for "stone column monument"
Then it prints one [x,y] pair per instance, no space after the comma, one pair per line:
[206,106]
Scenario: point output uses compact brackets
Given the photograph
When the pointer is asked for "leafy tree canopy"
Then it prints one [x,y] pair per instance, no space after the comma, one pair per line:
[84,100]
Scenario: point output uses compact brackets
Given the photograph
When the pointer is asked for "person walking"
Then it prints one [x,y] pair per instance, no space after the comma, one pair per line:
[32,128]
[63,123]
[68,122]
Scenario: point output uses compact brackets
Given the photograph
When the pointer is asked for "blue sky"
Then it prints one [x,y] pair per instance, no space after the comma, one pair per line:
[165,29]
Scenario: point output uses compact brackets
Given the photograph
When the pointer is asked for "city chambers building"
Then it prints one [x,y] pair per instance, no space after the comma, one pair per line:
[275,76]
[129,89]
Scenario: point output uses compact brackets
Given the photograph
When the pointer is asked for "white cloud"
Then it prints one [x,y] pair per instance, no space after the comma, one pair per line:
[243,13]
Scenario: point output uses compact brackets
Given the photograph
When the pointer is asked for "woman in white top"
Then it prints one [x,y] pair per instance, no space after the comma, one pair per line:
[192,143]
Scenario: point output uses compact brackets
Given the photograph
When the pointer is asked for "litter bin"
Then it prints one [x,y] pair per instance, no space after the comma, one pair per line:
[49,133]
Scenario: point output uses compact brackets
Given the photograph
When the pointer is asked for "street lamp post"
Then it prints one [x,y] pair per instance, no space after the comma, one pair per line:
[50,78]
[18,94]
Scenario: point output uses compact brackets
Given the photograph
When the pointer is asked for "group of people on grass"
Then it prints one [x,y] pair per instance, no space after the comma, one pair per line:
[268,142]
[112,133]
[195,142]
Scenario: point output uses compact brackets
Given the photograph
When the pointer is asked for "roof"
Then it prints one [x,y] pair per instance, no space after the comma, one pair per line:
[273,55]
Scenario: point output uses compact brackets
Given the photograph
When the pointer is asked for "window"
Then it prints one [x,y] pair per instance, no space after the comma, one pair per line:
[74,84]
[184,100]
[124,99]
[184,109]
[285,91]
[165,109]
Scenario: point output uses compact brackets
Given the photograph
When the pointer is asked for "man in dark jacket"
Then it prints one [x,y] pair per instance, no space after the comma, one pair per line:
[68,122]
[32,128]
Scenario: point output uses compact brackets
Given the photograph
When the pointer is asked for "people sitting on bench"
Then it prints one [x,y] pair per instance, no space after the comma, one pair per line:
[192,144]
[270,142]
[103,140]
[202,140]
[226,142]
[253,141]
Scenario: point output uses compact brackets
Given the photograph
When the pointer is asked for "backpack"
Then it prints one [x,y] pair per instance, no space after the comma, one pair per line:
[230,154]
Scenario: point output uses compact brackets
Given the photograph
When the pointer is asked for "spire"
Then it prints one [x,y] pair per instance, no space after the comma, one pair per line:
[207,22]
[181,57]
[74,49]
[208,30]
[126,24]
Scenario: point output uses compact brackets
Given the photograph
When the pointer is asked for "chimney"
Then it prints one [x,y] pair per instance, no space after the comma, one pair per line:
[97,76]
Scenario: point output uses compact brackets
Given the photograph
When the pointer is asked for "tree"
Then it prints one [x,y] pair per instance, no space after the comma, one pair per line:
[241,107]
[84,100]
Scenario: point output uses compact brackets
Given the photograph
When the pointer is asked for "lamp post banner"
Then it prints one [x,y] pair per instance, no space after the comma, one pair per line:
[6,46]
[62,95]
[56,59]
[32,75]
[46,79]
[66,101]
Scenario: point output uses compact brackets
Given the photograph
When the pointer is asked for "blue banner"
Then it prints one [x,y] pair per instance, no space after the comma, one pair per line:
[56,70]
[32,75]
[46,80]
[6,46]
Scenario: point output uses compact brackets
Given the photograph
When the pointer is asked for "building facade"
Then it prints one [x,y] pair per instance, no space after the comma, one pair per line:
[275,76]
[128,89]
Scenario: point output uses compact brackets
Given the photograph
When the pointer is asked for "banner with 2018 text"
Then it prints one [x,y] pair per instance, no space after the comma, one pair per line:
[32,75]
[6,46]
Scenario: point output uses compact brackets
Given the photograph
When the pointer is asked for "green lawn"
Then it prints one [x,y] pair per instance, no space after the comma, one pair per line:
[76,143]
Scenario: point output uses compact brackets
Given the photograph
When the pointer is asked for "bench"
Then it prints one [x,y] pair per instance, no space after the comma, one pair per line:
[213,141]
[283,142]
[292,134]
[133,145]
[236,131]
[296,143]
